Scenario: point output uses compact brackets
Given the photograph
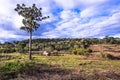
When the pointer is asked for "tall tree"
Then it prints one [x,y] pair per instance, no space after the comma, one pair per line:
[31,17]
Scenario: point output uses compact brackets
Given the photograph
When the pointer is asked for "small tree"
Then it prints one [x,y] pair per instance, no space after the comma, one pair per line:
[31,17]
[21,46]
[84,43]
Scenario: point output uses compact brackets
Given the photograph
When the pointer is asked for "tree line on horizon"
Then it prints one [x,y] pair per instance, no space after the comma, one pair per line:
[55,44]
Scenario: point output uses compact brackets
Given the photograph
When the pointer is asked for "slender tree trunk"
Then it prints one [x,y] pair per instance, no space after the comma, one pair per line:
[30,46]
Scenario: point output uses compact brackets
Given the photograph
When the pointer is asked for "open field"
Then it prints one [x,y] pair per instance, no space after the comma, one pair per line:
[67,67]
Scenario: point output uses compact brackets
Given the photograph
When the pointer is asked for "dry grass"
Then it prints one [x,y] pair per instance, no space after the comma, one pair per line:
[67,67]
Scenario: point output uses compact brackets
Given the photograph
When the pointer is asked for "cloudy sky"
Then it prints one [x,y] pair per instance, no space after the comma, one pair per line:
[68,19]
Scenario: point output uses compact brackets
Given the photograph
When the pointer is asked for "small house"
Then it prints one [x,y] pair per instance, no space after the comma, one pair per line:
[46,53]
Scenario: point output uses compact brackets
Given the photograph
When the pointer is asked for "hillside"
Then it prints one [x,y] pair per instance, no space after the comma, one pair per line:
[70,59]
[55,44]
[106,48]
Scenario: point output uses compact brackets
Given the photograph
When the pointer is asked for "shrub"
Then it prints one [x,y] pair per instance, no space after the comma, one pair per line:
[2,50]
[55,53]
[11,69]
[7,50]
[109,56]
[82,51]
[74,52]
[112,57]
[90,50]
[103,55]
[85,43]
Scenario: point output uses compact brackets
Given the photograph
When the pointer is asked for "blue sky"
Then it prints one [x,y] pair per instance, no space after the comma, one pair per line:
[68,19]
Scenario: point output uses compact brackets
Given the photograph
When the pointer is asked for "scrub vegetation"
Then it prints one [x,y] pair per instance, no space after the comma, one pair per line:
[17,66]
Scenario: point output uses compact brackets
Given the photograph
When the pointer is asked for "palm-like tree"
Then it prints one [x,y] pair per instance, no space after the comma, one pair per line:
[31,17]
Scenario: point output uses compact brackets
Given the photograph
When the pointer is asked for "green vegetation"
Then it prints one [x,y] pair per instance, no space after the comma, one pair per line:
[64,44]
[11,69]
[16,65]
[82,51]
[70,59]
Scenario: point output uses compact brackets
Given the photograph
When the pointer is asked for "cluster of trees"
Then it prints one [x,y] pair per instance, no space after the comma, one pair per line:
[7,47]
[105,40]
[64,44]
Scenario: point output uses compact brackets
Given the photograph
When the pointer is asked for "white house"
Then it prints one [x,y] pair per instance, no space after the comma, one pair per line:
[46,53]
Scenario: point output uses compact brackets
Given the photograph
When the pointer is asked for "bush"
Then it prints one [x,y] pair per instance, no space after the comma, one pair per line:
[112,57]
[75,52]
[7,50]
[103,55]
[55,53]
[2,50]
[82,51]
[109,56]
[11,69]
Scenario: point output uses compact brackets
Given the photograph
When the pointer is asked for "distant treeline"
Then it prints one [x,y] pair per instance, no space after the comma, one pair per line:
[55,44]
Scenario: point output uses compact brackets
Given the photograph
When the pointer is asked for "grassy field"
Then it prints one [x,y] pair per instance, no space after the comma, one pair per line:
[17,67]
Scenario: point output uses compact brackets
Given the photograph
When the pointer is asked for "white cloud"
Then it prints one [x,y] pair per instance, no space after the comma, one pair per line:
[116,35]
[8,14]
[66,4]
[91,2]
[8,34]
[17,21]
[67,14]
[71,4]
[89,12]
[95,17]
[72,25]
[5,7]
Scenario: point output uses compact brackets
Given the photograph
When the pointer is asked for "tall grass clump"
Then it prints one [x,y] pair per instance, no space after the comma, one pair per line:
[103,55]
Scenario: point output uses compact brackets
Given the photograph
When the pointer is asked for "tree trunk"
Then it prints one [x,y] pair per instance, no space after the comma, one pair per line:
[30,46]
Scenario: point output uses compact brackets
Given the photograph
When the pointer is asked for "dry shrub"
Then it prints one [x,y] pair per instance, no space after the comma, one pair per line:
[112,57]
